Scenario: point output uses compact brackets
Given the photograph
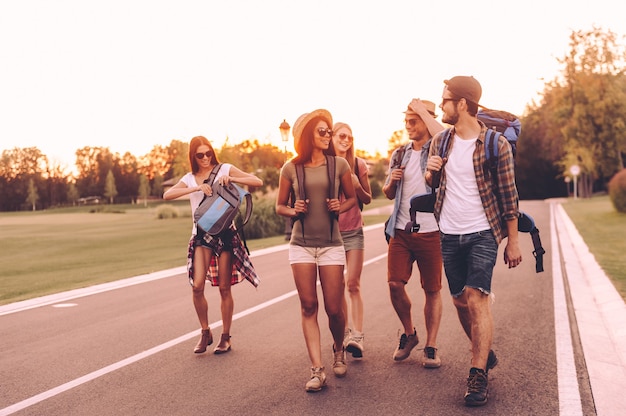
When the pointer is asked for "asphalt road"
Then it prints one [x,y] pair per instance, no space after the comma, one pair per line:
[128,351]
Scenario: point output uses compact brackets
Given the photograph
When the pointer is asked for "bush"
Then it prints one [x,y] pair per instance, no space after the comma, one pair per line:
[165,211]
[617,190]
[264,221]
[377,189]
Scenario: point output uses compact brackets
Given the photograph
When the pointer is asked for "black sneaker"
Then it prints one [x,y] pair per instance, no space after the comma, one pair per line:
[477,388]
[492,360]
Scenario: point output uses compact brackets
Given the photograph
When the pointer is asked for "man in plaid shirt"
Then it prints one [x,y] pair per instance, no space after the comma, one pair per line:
[473,220]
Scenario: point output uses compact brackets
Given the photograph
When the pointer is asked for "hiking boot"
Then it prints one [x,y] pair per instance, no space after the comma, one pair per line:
[477,388]
[340,368]
[317,380]
[431,358]
[355,344]
[407,343]
[492,360]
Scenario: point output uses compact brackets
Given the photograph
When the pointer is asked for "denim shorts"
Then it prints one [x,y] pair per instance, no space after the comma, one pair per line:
[353,240]
[468,260]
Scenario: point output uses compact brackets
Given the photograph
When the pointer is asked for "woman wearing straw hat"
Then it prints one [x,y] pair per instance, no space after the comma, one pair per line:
[351,227]
[316,245]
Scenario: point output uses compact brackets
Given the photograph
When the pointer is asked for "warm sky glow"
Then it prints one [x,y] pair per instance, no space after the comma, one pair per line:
[132,74]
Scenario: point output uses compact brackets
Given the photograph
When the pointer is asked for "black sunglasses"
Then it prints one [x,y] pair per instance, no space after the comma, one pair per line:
[344,136]
[445,100]
[323,131]
[411,122]
[201,156]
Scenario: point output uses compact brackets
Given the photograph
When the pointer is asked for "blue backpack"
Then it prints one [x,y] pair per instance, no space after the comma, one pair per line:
[508,125]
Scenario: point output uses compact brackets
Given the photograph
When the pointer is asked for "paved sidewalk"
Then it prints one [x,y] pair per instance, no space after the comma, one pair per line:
[600,316]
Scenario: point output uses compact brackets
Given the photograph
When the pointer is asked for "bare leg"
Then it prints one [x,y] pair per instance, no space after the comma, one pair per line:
[227,303]
[482,326]
[201,264]
[333,288]
[354,259]
[433,308]
[305,277]
[402,305]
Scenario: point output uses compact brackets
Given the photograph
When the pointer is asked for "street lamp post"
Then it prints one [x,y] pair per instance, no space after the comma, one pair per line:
[284,133]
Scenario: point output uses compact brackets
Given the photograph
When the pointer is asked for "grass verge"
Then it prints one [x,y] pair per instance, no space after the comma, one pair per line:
[603,229]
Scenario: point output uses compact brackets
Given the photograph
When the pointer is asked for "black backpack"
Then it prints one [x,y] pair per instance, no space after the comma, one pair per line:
[331,166]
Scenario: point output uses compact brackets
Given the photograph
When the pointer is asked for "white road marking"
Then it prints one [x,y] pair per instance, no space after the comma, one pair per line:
[145,354]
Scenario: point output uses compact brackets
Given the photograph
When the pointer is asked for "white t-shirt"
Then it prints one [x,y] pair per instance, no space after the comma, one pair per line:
[413,184]
[462,211]
[196,197]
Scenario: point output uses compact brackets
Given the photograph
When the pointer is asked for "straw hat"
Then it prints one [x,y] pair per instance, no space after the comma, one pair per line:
[430,107]
[304,119]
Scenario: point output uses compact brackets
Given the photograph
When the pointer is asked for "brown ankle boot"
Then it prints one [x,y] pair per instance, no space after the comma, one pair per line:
[224,345]
[206,339]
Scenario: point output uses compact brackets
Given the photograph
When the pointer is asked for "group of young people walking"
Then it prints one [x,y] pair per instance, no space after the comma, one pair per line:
[322,190]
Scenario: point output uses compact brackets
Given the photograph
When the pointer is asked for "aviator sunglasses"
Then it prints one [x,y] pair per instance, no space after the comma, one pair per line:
[344,136]
[323,131]
[201,156]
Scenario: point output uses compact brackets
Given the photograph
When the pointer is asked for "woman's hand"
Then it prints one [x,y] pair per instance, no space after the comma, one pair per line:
[206,189]
[333,205]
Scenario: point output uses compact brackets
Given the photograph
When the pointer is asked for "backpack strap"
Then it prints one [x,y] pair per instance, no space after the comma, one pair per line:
[358,175]
[331,167]
[301,195]
[211,178]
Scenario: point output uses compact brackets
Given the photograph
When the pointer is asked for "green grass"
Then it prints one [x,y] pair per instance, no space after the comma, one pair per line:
[603,230]
[56,250]
[45,252]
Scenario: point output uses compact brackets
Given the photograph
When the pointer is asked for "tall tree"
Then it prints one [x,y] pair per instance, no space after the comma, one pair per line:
[592,108]
[33,195]
[110,191]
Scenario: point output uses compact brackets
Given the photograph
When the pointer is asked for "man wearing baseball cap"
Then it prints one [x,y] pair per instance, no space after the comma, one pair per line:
[404,180]
[473,220]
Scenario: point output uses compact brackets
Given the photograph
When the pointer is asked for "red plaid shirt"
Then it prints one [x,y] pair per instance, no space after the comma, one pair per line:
[242,267]
[499,206]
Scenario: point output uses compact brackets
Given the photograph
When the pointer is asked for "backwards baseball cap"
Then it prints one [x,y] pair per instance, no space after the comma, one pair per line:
[465,87]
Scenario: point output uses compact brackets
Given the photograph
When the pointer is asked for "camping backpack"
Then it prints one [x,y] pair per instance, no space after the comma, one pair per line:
[331,165]
[502,122]
[217,212]
[509,127]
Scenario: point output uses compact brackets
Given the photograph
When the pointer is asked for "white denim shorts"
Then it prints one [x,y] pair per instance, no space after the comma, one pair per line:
[322,256]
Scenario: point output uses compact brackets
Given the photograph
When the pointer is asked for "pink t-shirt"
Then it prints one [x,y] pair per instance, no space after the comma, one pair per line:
[352,219]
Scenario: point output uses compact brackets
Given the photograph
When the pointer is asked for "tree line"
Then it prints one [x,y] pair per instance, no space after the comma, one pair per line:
[579,120]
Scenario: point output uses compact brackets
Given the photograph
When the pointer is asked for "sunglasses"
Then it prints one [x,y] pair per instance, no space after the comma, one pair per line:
[201,156]
[445,100]
[411,122]
[344,136]
[324,131]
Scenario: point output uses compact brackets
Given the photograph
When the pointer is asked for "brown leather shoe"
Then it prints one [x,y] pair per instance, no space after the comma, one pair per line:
[224,345]
[206,339]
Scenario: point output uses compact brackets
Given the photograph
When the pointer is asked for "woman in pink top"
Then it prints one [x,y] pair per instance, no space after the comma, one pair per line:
[351,227]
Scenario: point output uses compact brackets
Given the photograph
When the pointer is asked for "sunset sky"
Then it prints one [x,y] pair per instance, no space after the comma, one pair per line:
[130,75]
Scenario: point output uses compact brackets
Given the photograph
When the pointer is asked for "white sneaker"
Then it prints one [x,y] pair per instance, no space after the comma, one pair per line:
[355,344]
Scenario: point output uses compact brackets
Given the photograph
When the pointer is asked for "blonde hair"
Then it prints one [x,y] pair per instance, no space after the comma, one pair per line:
[350,153]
